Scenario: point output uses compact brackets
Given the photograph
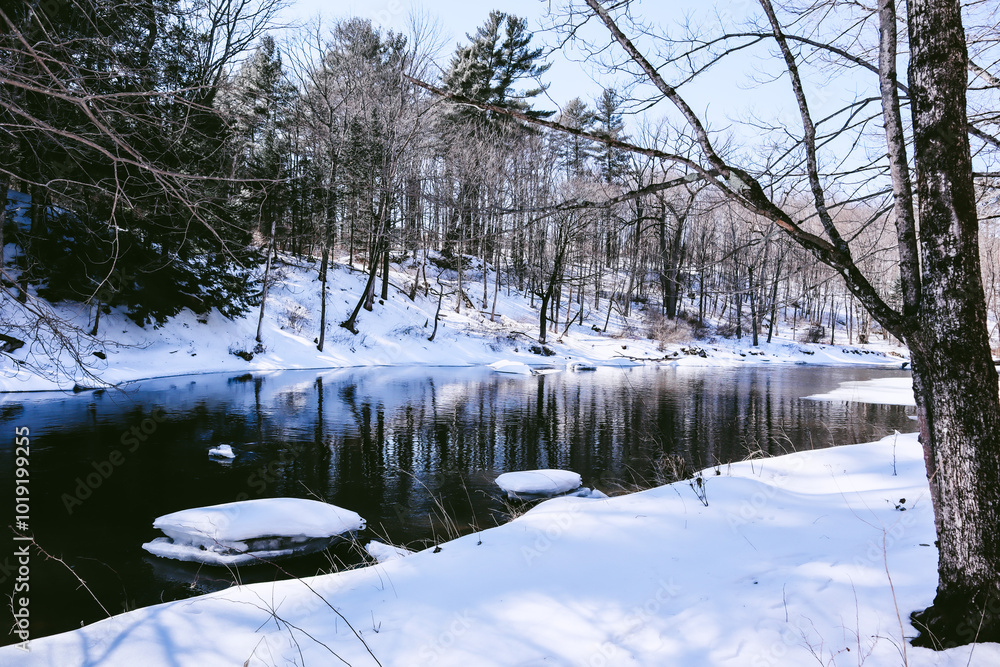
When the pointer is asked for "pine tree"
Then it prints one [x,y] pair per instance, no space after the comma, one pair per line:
[258,105]
[497,59]
[575,152]
[612,162]
[128,207]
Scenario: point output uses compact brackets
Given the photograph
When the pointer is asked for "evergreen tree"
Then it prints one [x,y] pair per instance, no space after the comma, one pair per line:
[613,163]
[575,152]
[128,204]
[497,59]
[258,104]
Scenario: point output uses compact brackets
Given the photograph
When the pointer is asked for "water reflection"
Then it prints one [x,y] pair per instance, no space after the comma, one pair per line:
[400,446]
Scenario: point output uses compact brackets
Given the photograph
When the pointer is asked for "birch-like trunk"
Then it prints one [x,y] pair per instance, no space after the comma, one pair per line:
[954,380]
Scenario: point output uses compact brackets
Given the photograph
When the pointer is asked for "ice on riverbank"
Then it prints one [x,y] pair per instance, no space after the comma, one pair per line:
[887,391]
[511,367]
[251,530]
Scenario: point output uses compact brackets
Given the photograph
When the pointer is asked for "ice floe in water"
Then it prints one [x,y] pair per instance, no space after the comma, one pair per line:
[539,483]
[511,367]
[577,366]
[251,530]
[222,452]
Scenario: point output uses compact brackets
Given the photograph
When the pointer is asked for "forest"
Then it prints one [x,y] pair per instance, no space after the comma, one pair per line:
[162,155]
[170,147]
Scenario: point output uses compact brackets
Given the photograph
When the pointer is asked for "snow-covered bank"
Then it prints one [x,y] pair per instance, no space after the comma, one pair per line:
[395,332]
[788,563]
[888,391]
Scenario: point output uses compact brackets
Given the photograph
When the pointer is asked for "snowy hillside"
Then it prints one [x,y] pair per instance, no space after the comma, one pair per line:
[395,332]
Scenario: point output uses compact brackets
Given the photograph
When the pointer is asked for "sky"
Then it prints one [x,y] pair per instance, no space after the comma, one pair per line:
[725,93]
[745,87]
[456,18]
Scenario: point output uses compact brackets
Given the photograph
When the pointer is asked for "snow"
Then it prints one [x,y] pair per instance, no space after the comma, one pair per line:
[787,565]
[383,553]
[888,391]
[222,451]
[539,482]
[249,530]
[512,367]
[395,333]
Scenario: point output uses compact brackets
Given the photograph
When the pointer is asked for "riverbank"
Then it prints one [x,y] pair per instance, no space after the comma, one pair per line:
[792,560]
[470,332]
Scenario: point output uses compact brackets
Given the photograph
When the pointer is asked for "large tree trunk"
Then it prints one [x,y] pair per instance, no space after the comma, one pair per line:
[324,267]
[3,213]
[542,315]
[267,281]
[955,382]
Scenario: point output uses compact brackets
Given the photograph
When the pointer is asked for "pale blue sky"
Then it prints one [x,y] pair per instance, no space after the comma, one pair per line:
[456,17]
[725,94]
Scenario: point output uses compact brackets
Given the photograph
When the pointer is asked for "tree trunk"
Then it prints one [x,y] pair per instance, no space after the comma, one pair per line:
[3,213]
[267,277]
[543,314]
[351,322]
[97,315]
[385,272]
[774,300]
[323,271]
[753,307]
[954,380]
[437,313]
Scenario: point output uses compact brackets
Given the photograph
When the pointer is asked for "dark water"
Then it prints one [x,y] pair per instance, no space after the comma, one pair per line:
[395,445]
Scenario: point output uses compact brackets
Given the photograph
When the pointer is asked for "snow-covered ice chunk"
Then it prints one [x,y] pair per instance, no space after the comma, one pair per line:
[384,553]
[222,451]
[513,367]
[246,531]
[581,366]
[539,482]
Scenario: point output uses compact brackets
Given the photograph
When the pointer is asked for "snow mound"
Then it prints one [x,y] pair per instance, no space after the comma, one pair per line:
[512,367]
[581,366]
[250,530]
[222,451]
[539,482]
[383,553]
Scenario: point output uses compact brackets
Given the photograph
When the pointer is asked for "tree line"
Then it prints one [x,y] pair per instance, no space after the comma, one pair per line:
[172,147]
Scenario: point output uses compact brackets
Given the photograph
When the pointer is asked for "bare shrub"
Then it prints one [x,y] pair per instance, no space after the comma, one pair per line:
[666,331]
[814,333]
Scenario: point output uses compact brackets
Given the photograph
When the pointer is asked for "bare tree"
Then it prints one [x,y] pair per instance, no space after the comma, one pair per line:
[108,129]
[943,315]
